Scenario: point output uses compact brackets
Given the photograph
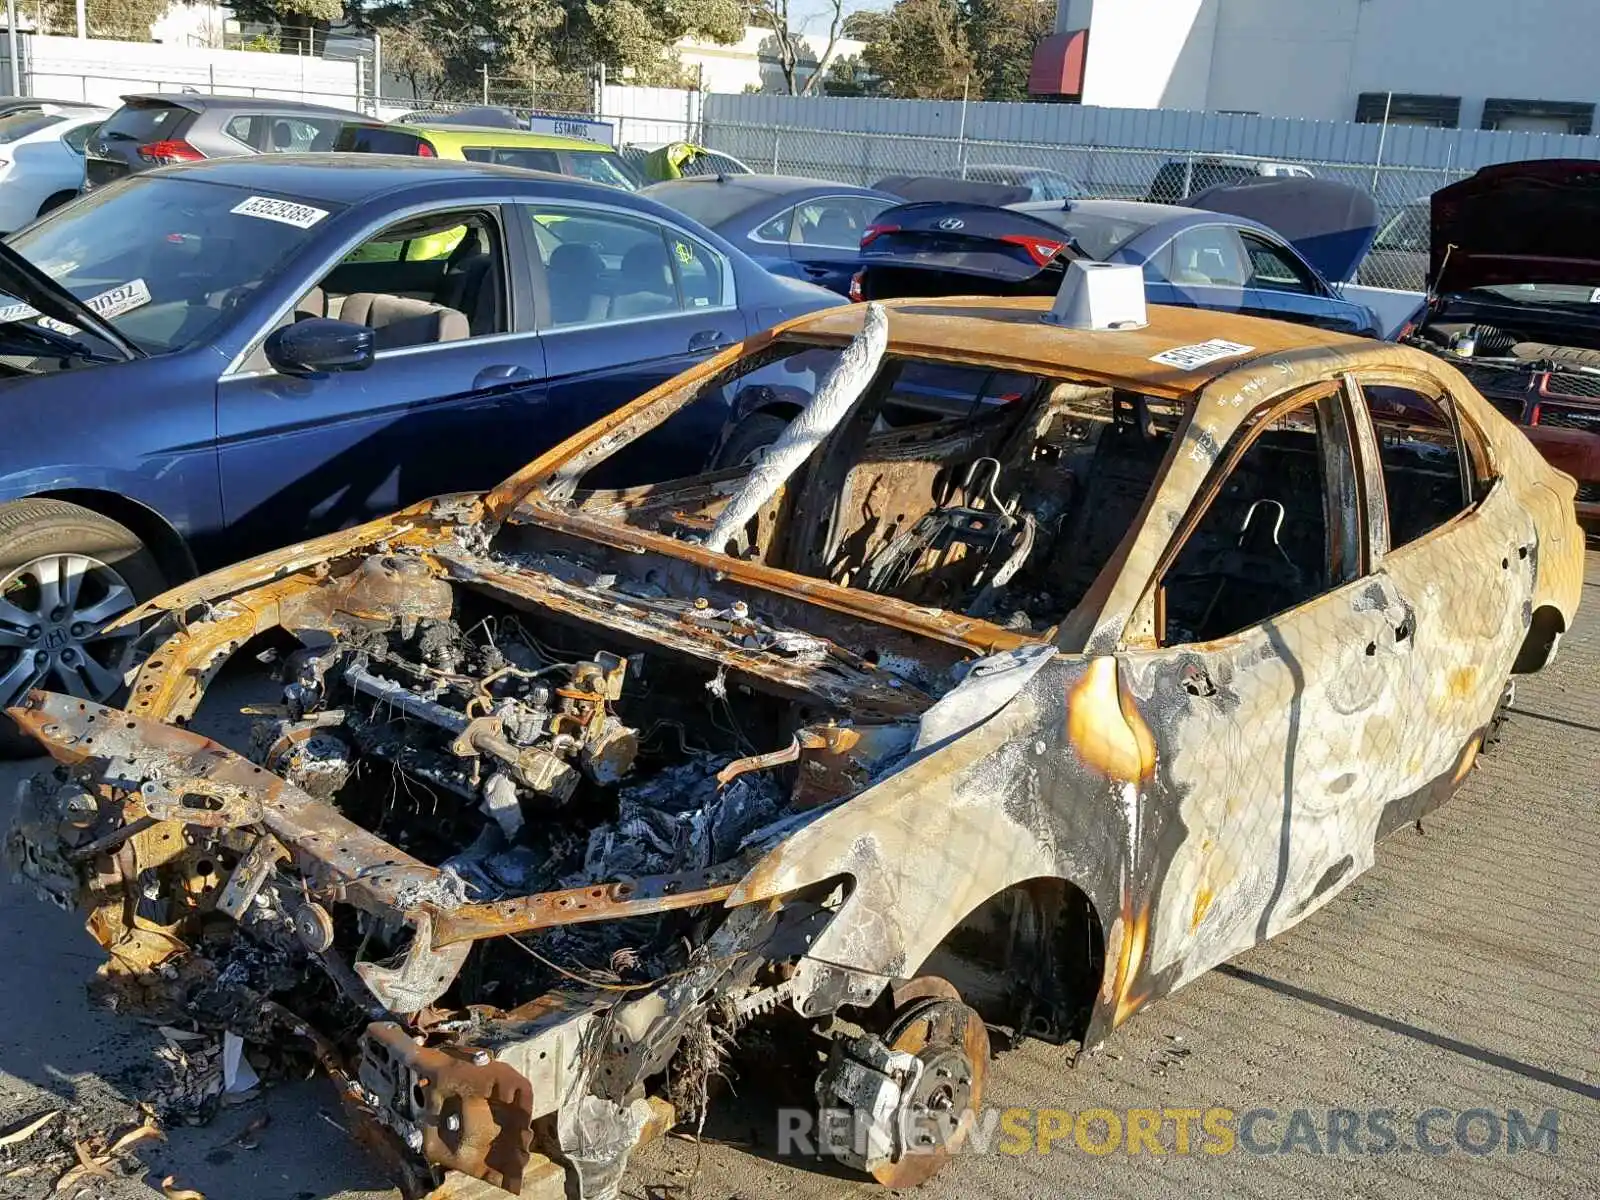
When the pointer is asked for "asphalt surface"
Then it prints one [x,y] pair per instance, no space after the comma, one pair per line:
[1461,974]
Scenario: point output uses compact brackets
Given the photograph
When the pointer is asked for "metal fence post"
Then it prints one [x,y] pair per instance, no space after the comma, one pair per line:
[11,34]
[777,138]
[961,134]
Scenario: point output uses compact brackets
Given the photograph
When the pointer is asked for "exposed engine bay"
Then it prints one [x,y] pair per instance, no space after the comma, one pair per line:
[458,844]
[1507,362]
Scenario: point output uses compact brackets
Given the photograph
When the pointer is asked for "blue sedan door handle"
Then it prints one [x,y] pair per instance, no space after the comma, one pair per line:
[500,373]
[708,340]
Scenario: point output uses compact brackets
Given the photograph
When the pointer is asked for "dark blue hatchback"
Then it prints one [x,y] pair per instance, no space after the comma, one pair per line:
[206,361]
[807,229]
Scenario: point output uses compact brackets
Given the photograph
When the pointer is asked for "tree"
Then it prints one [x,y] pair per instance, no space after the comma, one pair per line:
[848,76]
[865,25]
[126,19]
[542,47]
[1003,35]
[924,53]
[409,54]
[791,44]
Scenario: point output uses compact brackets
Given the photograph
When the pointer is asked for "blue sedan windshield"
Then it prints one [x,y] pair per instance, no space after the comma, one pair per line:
[164,260]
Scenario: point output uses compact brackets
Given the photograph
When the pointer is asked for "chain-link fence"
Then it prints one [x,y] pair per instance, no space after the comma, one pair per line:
[1056,172]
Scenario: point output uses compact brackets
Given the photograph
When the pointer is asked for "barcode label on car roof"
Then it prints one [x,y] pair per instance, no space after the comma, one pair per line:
[287,212]
[1188,358]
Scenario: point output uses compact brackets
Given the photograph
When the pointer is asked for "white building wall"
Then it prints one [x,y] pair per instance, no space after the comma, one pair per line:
[1150,53]
[752,63]
[1475,49]
[103,71]
[1312,58]
[1289,58]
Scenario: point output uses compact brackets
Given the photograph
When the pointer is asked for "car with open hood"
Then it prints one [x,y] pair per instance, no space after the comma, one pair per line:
[1514,301]
[205,360]
[1021,716]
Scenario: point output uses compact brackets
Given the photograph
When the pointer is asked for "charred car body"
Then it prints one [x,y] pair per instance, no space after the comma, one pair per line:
[1514,273]
[1018,717]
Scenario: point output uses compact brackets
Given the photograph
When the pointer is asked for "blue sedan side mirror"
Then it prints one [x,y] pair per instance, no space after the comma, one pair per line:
[319,346]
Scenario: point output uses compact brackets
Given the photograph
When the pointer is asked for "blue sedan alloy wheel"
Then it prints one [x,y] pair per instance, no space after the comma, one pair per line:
[52,613]
[66,572]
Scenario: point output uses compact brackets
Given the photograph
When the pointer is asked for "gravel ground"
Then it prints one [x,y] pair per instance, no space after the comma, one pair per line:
[1460,974]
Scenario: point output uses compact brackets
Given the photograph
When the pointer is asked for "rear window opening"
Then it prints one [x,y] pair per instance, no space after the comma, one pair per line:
[375,139]
[145,122]
[20,125]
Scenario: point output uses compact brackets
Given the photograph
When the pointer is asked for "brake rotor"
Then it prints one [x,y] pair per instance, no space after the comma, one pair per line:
[953,1045]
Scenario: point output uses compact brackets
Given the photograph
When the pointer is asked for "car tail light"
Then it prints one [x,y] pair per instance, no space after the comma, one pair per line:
[857,282]
[874,232]
[169,150]
[1041,250]
[425,149]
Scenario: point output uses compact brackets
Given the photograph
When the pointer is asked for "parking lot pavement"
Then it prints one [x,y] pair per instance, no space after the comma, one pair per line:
[1460,974]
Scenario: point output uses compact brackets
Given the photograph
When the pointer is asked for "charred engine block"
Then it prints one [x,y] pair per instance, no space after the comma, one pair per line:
[488,719]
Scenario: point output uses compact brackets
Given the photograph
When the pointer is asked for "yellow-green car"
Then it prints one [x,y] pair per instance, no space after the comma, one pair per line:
[510,147]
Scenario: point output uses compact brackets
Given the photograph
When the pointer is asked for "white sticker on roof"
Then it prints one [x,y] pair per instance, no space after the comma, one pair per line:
[287,212]
[1189,358]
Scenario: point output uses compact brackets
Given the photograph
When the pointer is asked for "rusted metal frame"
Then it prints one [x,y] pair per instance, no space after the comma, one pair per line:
[170,683]
[341,860]
[934,623]
[339,857]
[416,524]
[1344,507]
[643,896]
[1257,424]
[1467,434]
[866,696]
[1087,624]
[1451,400]
[476,1118]
[637,417]
[567,461]
[1369,464]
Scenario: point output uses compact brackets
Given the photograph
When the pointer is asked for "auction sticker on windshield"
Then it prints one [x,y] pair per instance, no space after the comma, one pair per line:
[287,212]
[1190,358]
[112,302]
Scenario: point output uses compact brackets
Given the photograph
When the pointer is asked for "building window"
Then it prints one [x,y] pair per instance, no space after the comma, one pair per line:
[1538,116]
[1400,108]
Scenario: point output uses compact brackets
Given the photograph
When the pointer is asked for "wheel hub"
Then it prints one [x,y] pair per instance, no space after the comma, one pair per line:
[952,1044]
[52,611]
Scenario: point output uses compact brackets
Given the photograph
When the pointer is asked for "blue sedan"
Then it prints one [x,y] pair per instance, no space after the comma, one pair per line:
[206,361]
[807,229]
[1195,257]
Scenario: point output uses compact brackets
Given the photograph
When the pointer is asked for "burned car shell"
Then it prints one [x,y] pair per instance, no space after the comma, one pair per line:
[1180,802]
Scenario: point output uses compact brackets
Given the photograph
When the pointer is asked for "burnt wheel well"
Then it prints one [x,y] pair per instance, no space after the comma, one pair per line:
[1546,626]
[164,542]
[1030,958]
